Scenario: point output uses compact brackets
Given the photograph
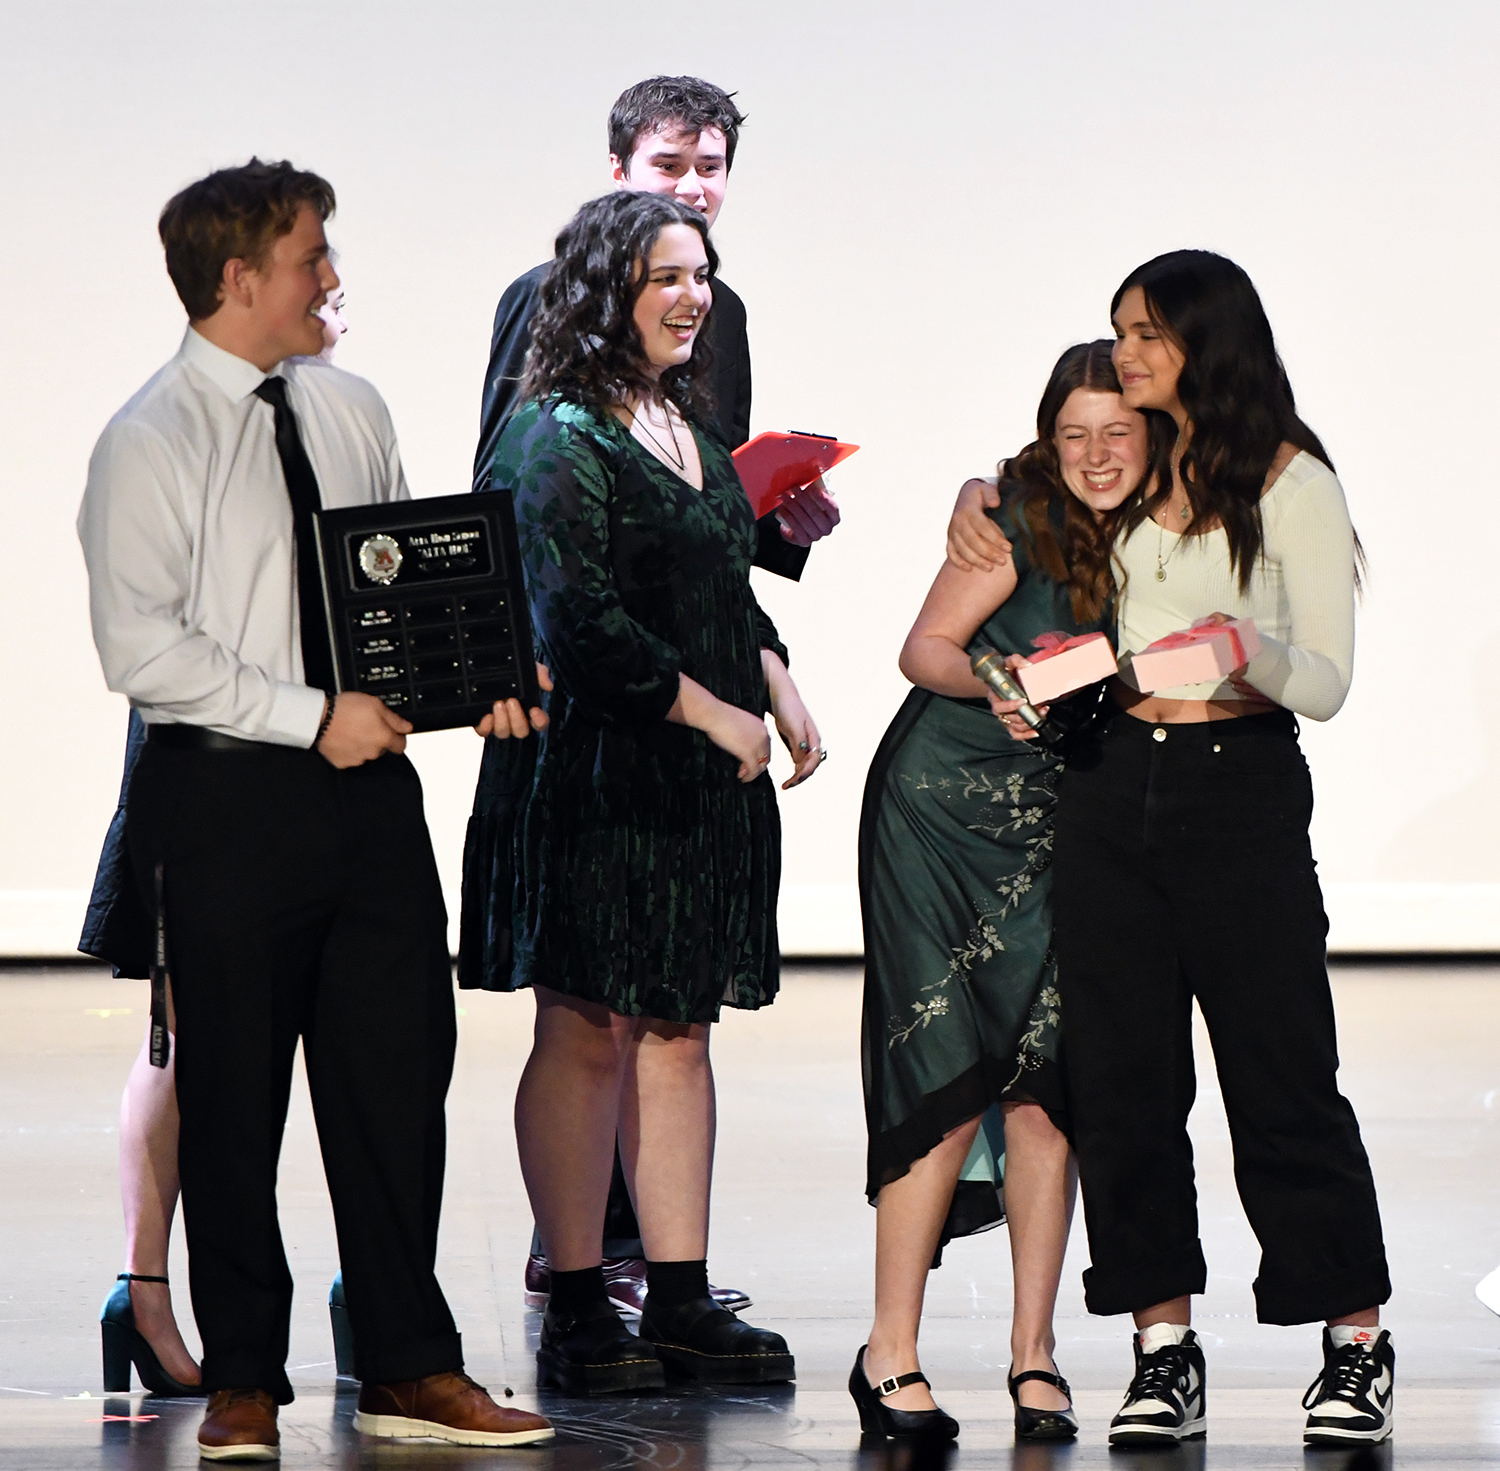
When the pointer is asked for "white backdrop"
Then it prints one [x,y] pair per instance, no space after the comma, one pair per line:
[929,203]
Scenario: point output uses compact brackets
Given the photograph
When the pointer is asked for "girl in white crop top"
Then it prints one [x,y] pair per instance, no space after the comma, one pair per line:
[1253,525]
[1301,596]
[1182,870]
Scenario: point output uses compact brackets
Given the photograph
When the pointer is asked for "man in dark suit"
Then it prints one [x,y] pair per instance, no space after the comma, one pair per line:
[677,136]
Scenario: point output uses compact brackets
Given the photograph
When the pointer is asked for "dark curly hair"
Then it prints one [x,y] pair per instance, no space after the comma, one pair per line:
[1236,393]
[1081,563]
[584,342]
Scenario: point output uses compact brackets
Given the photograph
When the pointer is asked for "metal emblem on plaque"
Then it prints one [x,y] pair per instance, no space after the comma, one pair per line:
[427,607]
[381,557]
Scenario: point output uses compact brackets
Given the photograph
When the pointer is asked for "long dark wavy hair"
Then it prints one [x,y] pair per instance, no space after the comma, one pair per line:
[1081,561]
[584,342]
[1236,393]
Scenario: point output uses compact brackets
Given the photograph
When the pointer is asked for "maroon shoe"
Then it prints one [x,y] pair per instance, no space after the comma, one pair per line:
[729,1297]
[624,1281]
[538,1281]
[447,1407]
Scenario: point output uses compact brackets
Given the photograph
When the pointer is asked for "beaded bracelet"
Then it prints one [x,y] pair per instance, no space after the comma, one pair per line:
[330,702]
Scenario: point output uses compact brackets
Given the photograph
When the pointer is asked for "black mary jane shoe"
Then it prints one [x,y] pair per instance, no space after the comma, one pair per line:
[878,1419]
[593,1352]
[703,1341]
[1042,1424]
[124,1344]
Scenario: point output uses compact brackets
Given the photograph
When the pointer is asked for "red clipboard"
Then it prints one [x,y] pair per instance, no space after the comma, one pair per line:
[771,464]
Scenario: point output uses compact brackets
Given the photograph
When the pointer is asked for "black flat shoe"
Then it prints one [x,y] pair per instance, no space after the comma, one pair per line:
[124,1345]
[1042,1424]
[878,1419]
[593,1352]
[343,1334]
[700,1340]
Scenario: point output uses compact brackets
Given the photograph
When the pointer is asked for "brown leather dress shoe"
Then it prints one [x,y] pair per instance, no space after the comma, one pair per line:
[240,1426]
[445,1407]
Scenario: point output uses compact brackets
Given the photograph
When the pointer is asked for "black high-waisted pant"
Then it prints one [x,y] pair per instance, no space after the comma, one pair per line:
[1183,869]
[303,902]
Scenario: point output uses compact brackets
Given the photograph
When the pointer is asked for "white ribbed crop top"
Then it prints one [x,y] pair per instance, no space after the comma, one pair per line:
[1301,595]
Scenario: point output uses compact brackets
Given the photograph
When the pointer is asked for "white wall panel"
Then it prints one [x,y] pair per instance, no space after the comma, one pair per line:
[929,203]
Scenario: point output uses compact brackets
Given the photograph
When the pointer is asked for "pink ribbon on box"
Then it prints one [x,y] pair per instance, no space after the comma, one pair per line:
[1204,633]
[1049,644]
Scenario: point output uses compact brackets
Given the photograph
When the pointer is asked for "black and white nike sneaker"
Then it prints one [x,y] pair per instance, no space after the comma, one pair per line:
[1353,1400]
[1166,1400]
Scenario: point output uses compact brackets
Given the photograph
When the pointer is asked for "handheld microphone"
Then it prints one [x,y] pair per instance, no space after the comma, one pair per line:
[989,665]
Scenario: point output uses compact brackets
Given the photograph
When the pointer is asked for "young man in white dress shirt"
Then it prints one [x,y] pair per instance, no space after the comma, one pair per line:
[276,830]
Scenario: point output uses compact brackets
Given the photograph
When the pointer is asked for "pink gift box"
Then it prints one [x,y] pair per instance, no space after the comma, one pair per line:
[1064,665]
[1197,655]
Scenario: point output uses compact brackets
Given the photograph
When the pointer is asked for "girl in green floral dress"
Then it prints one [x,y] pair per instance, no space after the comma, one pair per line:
[961,1015]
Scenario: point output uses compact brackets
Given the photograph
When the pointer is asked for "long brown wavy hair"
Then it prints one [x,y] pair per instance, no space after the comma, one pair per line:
[584,341]
[1236,392]
[1081,560]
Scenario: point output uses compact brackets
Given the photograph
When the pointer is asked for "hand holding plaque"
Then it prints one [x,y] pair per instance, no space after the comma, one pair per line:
[509,720]
[360,728]
[426,607]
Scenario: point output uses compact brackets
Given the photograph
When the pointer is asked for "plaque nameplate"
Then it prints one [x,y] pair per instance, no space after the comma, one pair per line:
[427,607]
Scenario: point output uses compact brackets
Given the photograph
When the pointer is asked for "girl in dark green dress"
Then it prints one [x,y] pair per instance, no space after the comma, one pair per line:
[634,844]
[961,1013]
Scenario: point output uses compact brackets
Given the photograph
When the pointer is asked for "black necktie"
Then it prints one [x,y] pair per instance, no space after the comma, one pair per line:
[302,489]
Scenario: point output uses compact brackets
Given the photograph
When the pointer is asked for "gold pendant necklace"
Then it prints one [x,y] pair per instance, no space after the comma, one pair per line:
[1161,528]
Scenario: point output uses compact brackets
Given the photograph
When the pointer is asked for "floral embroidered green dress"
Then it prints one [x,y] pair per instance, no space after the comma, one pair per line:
[960,1002]
[616,856]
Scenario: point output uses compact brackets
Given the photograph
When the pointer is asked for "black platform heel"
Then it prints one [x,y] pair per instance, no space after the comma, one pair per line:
[124,1345]
[1042,1424]
[343,1333]
[878,1419]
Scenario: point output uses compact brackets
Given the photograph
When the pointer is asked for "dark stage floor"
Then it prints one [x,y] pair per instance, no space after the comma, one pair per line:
[1421,1049]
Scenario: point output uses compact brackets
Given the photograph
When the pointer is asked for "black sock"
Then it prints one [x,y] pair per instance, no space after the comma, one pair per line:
[670,1284]
[575,1292]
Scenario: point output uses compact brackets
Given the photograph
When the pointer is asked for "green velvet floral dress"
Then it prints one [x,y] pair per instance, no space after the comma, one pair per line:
[960,1004]
[616,856]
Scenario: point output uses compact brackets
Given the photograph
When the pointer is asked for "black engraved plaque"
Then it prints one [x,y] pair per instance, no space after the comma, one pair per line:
[427,607]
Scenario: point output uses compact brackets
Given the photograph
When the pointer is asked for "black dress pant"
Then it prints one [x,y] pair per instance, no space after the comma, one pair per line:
[1183,869]
[302,901]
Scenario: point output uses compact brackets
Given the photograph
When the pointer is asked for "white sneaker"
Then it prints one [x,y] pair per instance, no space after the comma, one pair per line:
[1353,1400]
[1166,1400]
